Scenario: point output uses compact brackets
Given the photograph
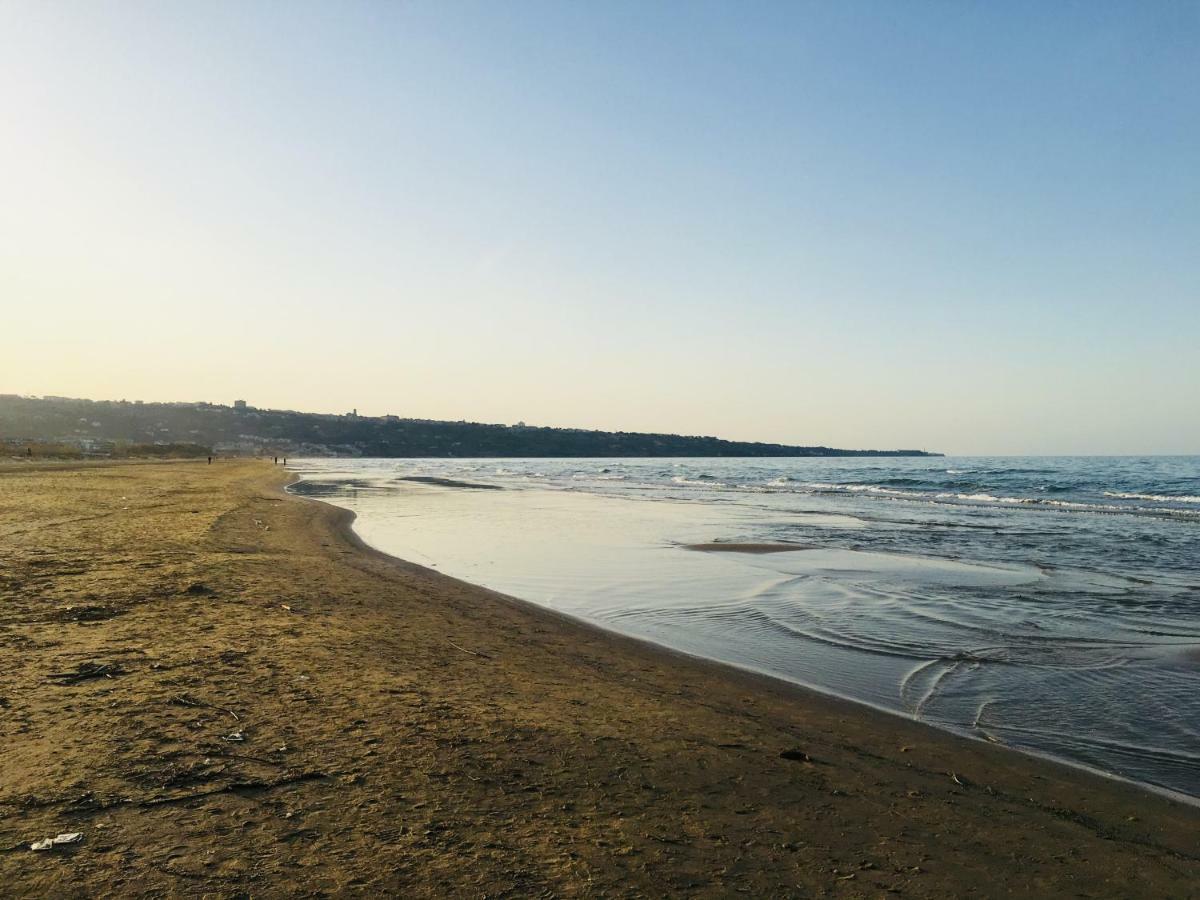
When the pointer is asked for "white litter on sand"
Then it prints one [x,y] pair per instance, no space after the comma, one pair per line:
[66,837]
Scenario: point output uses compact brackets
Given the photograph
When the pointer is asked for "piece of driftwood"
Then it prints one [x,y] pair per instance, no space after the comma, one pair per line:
[186,700]
[237,787]
[465,650]
[87,671]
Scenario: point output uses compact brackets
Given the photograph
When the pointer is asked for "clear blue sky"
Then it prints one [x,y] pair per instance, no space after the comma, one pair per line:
[972,227]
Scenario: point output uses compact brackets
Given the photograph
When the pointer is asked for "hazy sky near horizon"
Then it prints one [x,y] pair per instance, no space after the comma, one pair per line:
[969,227]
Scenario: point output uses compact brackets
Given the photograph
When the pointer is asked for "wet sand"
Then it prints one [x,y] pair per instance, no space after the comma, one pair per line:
[732,547]
[229,695]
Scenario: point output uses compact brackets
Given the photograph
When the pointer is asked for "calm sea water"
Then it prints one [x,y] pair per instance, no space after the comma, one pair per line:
[1049,604]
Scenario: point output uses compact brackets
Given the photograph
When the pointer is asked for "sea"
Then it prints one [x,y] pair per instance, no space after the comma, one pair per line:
[1048,604]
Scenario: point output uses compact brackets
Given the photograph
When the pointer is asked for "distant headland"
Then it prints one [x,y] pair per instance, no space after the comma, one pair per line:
[70,426]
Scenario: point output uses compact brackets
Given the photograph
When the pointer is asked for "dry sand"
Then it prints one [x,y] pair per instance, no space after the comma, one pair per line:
[229,696]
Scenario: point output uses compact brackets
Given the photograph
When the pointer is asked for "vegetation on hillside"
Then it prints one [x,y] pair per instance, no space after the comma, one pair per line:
[95,425]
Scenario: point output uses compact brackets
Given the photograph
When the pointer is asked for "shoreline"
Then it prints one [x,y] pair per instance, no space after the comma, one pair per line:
[805,692]
[287,711]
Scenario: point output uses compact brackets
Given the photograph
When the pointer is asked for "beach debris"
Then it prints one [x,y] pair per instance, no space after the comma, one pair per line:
[188,700]
[199,589]
[89,613]
[239,787]
[955,779]
[285,606]
[86,671]
[66,837]
[235,736]
[796,755]
[465,650]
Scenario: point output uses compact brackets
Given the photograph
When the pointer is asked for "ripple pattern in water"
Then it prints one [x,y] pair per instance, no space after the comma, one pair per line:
[1049,604]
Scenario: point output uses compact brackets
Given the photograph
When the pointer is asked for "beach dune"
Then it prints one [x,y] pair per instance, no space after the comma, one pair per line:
[226,693]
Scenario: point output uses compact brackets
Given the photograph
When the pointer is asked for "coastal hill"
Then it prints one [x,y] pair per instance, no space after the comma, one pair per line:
[102,427]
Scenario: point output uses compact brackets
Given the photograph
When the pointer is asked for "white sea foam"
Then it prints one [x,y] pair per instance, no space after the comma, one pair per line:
[858,489]
[1031,501]
[1068,504]
[1156,498]
[982,498]
[703,481]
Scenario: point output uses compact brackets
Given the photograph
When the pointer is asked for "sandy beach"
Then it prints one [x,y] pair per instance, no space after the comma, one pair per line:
[227,694]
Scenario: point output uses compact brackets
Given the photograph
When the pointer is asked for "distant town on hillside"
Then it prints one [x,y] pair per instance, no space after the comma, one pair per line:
[69,426]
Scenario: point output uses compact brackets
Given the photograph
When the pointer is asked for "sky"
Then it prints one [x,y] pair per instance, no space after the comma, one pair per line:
[960,226]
